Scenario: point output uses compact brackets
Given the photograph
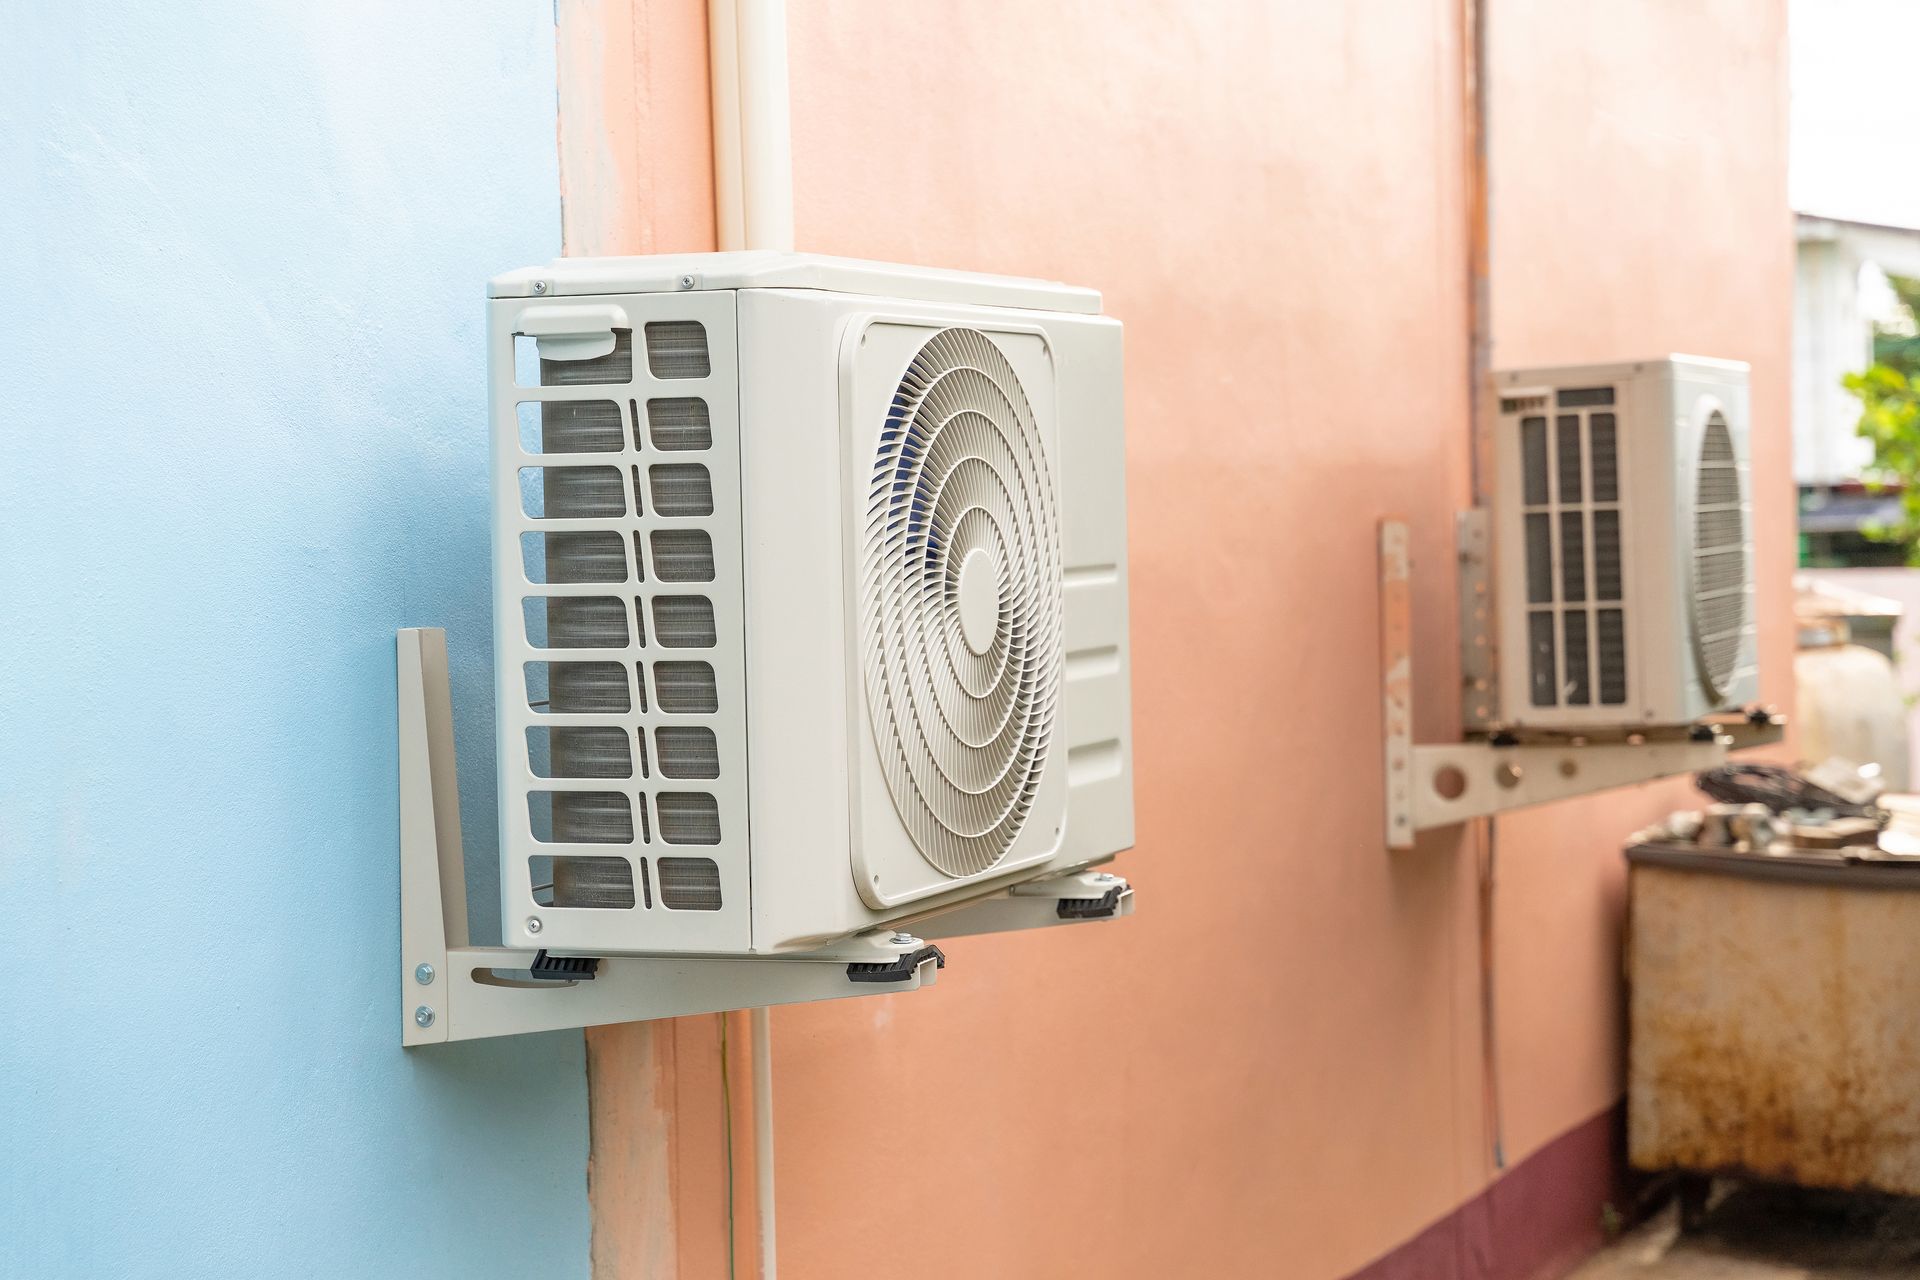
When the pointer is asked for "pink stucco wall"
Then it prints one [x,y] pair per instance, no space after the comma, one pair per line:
[1276,1067]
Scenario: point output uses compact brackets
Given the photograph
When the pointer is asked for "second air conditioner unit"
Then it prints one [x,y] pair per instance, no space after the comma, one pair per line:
[1623,544]
[810,583]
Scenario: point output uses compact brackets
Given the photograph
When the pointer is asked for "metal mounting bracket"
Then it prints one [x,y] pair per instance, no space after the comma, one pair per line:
[450,990]
[1058,900]
[1440,784]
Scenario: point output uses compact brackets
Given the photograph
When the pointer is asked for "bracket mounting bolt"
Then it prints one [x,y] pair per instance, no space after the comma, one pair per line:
[423,974]
[423,1016]
[901,939]
[539,286]
[534,925]
[686,282]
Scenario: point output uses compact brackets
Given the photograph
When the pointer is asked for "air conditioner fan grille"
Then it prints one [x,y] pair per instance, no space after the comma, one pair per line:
[962,695]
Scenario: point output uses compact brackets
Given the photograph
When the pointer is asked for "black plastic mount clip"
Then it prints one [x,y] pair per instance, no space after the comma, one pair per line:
[563,968]
[899,969]
[1090,908]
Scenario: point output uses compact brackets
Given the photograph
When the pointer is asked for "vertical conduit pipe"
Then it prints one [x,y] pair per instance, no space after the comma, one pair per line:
[1480,413]
[753,209]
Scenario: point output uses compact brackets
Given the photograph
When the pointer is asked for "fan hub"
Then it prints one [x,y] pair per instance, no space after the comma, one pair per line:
[978,595]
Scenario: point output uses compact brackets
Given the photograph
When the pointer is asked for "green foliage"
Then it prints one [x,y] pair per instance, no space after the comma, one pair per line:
[1897,344]
[1889,393]
[1890,418]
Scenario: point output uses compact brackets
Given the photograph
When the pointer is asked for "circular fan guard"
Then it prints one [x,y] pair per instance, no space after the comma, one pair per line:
[1719,559]
[962,728]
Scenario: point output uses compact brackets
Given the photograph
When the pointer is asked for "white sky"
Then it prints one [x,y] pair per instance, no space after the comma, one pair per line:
[1855,126]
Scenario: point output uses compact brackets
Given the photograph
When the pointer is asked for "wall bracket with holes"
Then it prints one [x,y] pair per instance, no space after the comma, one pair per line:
[451,990]
[1441,784]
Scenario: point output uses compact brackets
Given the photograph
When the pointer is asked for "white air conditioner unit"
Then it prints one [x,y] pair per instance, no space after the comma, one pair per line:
[810,582]
[1623,544]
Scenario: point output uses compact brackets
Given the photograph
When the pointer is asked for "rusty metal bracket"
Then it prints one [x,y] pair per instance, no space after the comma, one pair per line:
[1479,659]
[1432,785]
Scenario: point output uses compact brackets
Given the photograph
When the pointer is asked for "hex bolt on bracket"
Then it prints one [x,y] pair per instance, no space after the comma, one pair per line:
[491,991]
[1432,785]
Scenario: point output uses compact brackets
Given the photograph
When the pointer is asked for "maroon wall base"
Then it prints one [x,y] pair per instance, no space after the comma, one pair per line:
[1536,1223]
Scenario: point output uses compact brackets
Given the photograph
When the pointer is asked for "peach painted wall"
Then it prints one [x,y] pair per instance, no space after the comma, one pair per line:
[1639,196]
[1275,1068]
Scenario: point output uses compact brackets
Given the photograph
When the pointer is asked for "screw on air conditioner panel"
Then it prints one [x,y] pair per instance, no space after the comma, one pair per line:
[423,974]
[539,286]
[1106,877]
[423,1016]
[686,282]
[902,939]
[534,925]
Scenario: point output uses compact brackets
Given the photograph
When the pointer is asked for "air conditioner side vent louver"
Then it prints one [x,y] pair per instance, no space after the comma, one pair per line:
[1721,552]
[603,632]
[1570,503]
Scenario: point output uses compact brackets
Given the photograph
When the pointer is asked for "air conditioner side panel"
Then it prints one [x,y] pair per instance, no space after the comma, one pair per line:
[1650,485]
[792,501]
[1644,458]
[1511,604]
[1099,665]
[521,467]
[801,659]
[1695,390]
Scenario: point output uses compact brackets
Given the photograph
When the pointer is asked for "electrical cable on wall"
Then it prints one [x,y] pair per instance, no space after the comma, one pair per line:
[726,1137]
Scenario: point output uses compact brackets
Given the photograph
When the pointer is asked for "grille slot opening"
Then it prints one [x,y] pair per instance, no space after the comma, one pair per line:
[1539,558]
[1578,691]
[580,751]
[677,349]
[1606,458]
[683,622]
[1606,555]
[1541,658]
[689,884]
[1613,657]
[686,688]
[687,817]
[679,423]
[1567,450]
[687,751]
[593,688]
[571,426]
[548,493]
[1573,557]
[603,883]
[580,817]
[575,622]
[682,555]
[588,556]
[681,489]
[1533,461]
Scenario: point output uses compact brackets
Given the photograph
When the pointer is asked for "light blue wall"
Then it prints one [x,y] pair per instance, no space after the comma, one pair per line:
[243,439]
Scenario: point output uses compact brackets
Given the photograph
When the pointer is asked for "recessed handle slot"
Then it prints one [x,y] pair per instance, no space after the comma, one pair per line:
[573,331]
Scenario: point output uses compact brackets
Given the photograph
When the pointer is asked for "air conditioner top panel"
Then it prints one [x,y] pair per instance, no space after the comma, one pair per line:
[760,269]
[1707,366]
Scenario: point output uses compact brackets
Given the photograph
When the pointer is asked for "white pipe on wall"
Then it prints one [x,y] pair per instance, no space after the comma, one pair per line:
[730,229]
[753,209]
[752,124]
